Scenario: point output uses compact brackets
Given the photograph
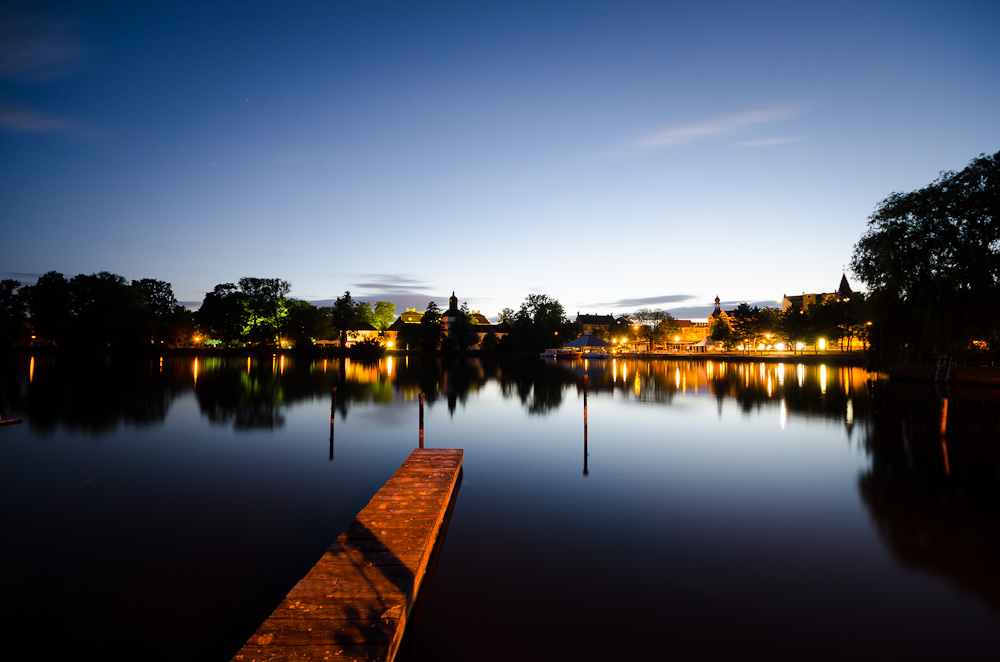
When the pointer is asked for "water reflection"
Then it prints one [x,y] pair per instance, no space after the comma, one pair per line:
[934,497]
[253,392]
[773,500]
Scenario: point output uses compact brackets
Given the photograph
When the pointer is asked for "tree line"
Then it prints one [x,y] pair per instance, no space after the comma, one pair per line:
[106,311]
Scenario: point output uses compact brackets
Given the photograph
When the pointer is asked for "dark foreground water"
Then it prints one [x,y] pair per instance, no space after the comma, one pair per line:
[160,509]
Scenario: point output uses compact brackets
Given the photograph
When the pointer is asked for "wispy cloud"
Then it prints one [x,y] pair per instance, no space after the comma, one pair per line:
[645,301]
[398,283]
[36,48]
[765,142]
[29,120]
[717,125]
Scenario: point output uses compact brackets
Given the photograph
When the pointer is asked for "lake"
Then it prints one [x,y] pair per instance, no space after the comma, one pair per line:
[160,508]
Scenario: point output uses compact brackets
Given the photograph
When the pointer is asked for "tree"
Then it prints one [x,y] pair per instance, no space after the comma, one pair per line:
[721,332]
[793,327]
[383,315]
[49,305]
[304,323]
[745,324]
[463,332]
[266,305]
[431,328]
[106,312]
[649,321]
[13,312]
[623,328]
[224,314]
[171,322]
[538,324]
[345,316]
[930,259]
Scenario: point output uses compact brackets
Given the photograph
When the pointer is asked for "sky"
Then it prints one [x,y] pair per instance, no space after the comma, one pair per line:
[612,155]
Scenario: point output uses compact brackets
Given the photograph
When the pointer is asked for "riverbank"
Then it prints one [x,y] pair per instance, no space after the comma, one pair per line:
[829,357]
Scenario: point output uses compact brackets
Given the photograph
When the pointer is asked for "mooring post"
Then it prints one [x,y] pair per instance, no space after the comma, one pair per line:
[421,420]
[944,428]
[585,425]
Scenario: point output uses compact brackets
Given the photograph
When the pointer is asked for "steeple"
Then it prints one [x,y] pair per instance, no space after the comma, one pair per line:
[453,301]
[844,291]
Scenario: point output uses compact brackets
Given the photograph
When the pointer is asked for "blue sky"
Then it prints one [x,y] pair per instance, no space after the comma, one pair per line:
[610,155]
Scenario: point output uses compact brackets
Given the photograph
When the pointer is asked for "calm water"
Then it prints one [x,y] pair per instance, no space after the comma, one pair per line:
[160,509]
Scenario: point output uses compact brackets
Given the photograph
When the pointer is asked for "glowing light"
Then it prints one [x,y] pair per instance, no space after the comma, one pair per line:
[389,344]
[822,379]
[761,347]
[800,372]
[769,388]
[781,374]
[677,378]
[822,343]
[388,365]
[779,346]
[31,369]
[248,365]
[196,372]
[799,346]
[677,338]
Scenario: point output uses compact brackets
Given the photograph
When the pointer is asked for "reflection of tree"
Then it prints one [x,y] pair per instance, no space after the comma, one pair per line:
[538,386]
[252,393]
[935,503]
[87,392]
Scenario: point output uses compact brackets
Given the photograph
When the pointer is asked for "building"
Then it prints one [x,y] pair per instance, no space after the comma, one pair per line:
[803,301]
[482,325]
[591,323]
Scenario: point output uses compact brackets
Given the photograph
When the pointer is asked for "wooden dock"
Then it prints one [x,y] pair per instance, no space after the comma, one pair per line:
[354,603]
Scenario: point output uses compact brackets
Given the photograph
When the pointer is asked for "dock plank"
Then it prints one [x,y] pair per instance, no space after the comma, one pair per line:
[354,602]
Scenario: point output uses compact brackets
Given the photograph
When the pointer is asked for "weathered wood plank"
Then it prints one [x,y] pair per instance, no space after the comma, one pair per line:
[354,602]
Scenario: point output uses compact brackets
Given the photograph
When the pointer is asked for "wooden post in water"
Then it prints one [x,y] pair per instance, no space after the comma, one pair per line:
[585,472]
[944,428]
[333,409]
[421,420]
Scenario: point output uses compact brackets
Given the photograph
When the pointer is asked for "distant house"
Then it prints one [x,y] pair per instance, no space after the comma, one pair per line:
[480,322]
[803,301]
[591,323]
[362,331]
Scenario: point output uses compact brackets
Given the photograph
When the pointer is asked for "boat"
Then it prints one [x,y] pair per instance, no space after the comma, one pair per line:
[561,353]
